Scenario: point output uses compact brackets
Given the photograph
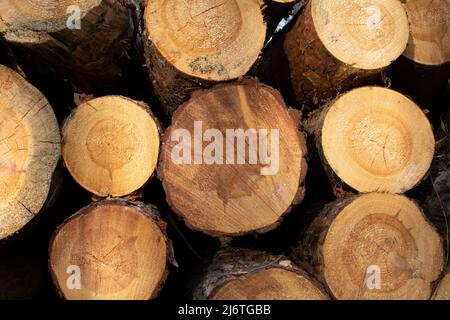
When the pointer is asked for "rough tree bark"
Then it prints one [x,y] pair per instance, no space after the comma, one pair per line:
[335,46]
[93,55]
[240,274]
[194,45]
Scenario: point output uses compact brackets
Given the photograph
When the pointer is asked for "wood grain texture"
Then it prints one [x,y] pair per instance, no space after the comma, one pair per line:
[29,151]
[334,47]
[92,57]
[121,250]
[190,45]
[228,198]
[372,139]
[111,145]
[241,274]
[387,231]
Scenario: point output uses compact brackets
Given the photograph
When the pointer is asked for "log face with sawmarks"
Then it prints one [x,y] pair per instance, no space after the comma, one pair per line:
[335,45]
[29,151]
[373,139]
[119,248]
[374,246]
[228,185]
[240,274]
[197,43]
[111,145]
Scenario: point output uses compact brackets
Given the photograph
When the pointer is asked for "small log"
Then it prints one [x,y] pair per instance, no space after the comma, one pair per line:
[336,46]
[372,139]
[29,152]
[111,145]
[238,274]
[216,167]
[84,41]
[373,246]
[190,45]
[118,249]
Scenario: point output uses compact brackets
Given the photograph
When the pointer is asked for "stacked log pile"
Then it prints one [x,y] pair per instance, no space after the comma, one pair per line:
[172,171]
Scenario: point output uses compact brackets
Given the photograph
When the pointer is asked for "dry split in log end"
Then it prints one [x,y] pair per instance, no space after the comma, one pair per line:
[374,246]
[238,274]
[29,151]
[192,44]
[110,250]
[373,139]
[337,45]
[85,41]
[233,160]
[111,145]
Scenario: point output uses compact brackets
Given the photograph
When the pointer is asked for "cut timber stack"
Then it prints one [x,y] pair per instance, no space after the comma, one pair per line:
[424,69]
[29,152]
[373,246]
[239,274]
[372,139]
[193,44]
[91,54]
[337,45]
[110,250]
[225,182]
[111,145]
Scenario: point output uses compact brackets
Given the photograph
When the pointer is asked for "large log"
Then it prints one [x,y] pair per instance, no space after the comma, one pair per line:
[190,45]
[424,69]
[335,46]
[372,139]
[239,274]
[91,52]
[111,145]
[233,160]
[110,250]
[373,246]
[29,152]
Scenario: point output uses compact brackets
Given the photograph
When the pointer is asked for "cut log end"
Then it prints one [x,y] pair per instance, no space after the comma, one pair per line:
[29,151]
[208,39]
[18,18]
[110,250]
[242,274]
[270,284]
[364,34]
[111,145]
[223,182]
[429,43]
[443,289]
[376,139]
[377,246]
